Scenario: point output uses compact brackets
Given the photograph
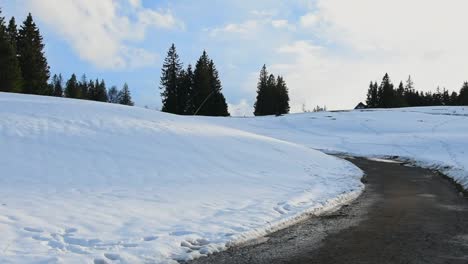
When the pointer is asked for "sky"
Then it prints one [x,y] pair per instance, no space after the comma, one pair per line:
[327,50]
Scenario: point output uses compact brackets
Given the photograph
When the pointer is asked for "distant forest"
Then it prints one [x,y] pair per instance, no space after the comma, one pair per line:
[386,95]
[24,68]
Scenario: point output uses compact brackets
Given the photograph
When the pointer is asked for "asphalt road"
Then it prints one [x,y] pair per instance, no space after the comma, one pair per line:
[406,215]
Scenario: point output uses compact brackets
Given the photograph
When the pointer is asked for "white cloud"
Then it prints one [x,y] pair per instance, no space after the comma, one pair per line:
[101,31]
[421,38]
[282,24]
[245,28]
[309,20]
[243,108]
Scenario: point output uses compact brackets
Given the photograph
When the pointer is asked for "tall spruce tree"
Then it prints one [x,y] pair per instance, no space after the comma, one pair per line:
[207,96]
[271,102]
[453,98]
[185,91]
[169,83]
[33,63]
[463,95]
[57,85]
[372,95]
[83,86]
[260,107]
[399,96]
[101,92]
[217,102]
[125,98]
[283,96]
[387,93]
[113,95]
[10,72]
[12,32]
[72,89]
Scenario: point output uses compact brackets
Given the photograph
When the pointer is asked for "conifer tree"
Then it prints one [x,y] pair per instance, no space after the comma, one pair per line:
[387,92]
[57,85]
[12,32]
[400,100]
[113,95]
[170,74]
[33,63]
[72,89]
[185,91]
[217,103]
[463,95]
[271,102]
[283,96]
[207,96]
[101,92]
[10,72]
[261,102]
[91,90]
[125,97]
[453,98]
[83,85]
[372,100]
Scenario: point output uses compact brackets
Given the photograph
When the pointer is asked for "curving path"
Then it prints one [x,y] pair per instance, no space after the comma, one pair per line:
[406,215]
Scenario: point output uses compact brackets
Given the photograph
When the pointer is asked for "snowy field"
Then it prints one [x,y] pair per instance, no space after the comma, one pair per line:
[431,137]
[86,182]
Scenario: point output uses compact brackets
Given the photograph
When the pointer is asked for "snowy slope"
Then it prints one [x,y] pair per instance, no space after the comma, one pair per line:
[86,182]
[434,137]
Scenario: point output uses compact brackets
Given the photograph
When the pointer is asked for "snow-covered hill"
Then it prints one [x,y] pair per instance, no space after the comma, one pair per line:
[433,137]
[83,181]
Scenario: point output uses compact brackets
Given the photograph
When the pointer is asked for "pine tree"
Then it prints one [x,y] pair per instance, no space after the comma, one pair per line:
[411,97]
[217,103]
[445,97]
[463,95]
[185,91]
[10,72]
[113,95]
[453,99]
[34,67]
[83,86]
[170,74]
[57,85]
[283,96]
[372,95]
[272,95]
[101,92]
[72,89]
[91,89]
[12,32]
[387,93]
[261,102]
[203,90]
[399,96]
[125,97]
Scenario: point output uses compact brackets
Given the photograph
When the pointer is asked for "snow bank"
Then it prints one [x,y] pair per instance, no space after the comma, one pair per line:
[433,137]
[84,181]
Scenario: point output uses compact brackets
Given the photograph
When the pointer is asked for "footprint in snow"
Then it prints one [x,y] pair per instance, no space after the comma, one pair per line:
[150,238]
[112,256]
[34,230]
[71,230]
[100,261]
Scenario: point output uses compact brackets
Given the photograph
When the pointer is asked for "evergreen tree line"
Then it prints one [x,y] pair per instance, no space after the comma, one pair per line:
[191,91]
[24,68]
[89,90]
[386,95]
[272,95]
